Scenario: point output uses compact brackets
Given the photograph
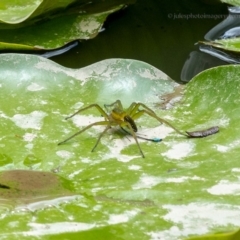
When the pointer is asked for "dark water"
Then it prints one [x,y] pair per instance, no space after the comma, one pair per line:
[154,31]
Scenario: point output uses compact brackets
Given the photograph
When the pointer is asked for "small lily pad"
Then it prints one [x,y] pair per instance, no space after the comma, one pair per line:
[230,45]
[26,186]
[232,2]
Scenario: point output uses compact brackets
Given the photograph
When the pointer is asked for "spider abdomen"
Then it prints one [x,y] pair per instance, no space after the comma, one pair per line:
[131,121]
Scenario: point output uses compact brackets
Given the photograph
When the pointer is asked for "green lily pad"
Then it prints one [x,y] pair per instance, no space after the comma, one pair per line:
[42,25]
[180,188]
[54,33]
[15,12]
[232,2]
[24,186]
[229,45]
[221,236]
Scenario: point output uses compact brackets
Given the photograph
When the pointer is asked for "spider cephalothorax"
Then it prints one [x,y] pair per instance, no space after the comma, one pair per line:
[117,116]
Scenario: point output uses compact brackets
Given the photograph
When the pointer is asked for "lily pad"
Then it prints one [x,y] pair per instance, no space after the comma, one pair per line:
[180,185]
[220,236]
[15,12]
[232,2]
[25,186]
[42,25]
[223,39]
[231,45]
[54,33]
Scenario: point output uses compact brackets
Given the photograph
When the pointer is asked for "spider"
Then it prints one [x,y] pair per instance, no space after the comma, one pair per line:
[119,117]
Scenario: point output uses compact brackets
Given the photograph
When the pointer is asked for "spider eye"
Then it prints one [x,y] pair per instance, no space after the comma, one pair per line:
[132,123]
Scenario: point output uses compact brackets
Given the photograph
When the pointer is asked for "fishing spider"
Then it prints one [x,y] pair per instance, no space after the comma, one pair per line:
[119,117]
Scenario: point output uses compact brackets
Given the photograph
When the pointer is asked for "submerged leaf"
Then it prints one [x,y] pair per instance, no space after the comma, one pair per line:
[23,186]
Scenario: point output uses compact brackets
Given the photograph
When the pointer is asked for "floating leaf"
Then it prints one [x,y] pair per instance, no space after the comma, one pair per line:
[223,39]
[15,11]
[232,44]
[50,26]
[221,236]
[23,186]
[53,34]
[181,185]
[232,2]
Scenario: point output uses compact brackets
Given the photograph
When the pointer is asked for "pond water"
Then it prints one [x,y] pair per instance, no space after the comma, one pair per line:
[162,33]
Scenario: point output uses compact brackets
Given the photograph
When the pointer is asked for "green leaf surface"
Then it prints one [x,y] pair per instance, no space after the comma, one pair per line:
[231,44]
[232,2]
[54,33]
[183,187]
[16,11]
[47,24]
[221,236]
[20,187]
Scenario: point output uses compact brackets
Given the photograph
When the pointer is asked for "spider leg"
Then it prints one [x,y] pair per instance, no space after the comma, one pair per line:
[132,109]
[134,136]
[103,113]
[116,104]
[151,113]
[87,127]
[144,138]
[100,136]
